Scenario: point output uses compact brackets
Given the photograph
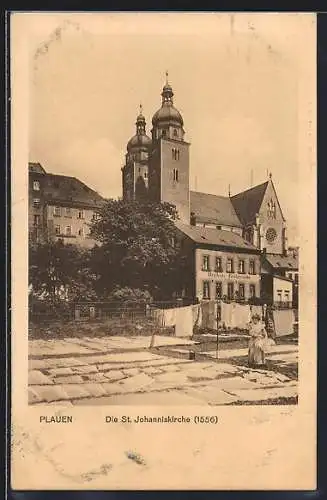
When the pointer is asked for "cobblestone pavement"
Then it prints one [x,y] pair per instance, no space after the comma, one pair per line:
[123,370]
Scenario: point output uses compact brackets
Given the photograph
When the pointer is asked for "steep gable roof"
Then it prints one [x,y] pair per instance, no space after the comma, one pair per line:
[65,190]
[217,237]
[210,208]
[61,188]
[247,203]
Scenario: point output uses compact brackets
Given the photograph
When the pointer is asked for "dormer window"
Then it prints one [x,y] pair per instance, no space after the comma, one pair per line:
[36,186]
[175,132]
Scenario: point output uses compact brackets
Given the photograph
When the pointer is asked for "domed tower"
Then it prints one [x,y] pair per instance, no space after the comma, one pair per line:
[136,169]
[169,162]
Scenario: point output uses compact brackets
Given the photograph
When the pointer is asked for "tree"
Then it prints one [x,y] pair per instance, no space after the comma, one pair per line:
[136,247]
[58,271]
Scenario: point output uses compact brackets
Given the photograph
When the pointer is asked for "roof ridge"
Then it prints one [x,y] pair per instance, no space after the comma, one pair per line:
[210,194]
[250,189]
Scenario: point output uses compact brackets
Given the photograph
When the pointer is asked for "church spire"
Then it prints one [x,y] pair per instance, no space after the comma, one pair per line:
[140,122]
[167,93]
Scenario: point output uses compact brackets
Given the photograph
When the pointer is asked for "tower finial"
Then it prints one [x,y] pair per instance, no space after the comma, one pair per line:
[229,190]
[166,77]
[270,175]
[141,109]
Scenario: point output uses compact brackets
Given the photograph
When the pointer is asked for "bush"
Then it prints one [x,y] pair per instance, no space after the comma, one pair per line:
[126,296]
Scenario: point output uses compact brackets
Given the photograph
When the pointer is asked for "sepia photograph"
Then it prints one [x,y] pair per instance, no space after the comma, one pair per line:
[164,184]
[163,240]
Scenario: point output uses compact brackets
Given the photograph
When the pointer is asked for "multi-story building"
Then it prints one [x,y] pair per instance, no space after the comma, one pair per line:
[60,207]
[220,264]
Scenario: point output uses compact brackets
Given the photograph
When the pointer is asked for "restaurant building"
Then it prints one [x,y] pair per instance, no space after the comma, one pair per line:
[221,264]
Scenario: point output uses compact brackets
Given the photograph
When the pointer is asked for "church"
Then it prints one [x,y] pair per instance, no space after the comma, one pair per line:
[237,244]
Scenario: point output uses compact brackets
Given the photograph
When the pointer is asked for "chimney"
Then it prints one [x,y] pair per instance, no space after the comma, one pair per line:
[193,219]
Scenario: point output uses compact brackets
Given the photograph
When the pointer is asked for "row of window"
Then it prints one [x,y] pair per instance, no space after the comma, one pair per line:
[67,211]
[232,293]
[67,231]
[164,133]
[59,211]
[280,297]
[229,265]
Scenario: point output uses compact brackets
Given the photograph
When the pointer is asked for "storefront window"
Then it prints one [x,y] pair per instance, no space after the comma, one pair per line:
[230,291]
[206,289]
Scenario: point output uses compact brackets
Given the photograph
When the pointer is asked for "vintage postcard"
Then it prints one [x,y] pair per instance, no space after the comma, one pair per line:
[163,251]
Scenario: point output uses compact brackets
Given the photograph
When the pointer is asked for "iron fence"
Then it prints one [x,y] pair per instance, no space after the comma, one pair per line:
[101,311]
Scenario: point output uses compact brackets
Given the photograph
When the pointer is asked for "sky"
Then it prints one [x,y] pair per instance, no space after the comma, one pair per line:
[235,78]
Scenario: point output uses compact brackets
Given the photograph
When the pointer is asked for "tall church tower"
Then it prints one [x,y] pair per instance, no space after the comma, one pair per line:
[169,162]
[135,172]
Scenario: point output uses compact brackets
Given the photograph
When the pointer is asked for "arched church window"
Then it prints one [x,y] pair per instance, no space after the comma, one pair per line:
[175,132]
[271,209]
[175,174]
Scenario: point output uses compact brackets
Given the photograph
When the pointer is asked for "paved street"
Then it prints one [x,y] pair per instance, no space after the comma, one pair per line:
[124,371]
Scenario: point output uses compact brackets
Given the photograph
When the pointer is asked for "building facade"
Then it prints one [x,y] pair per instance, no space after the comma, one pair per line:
[222,265]
[60,207]
[158,168]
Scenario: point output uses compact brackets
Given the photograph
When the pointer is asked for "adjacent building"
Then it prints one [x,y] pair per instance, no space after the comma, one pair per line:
[60,207]
[221,264]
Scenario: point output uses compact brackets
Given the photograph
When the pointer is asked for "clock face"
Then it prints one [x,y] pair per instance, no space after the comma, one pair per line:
[271,235]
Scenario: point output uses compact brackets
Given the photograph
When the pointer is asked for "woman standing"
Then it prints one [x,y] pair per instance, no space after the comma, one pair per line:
[258,334]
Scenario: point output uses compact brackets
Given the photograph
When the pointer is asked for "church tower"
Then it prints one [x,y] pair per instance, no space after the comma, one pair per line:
[135,172]
[169,162]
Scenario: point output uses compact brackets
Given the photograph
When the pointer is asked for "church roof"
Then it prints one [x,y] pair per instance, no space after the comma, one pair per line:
[247,203]
[290,262]
[213,209]
[216,237]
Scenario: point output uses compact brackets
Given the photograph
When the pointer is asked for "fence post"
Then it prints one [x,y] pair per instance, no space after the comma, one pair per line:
[77,314]
[92,312]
